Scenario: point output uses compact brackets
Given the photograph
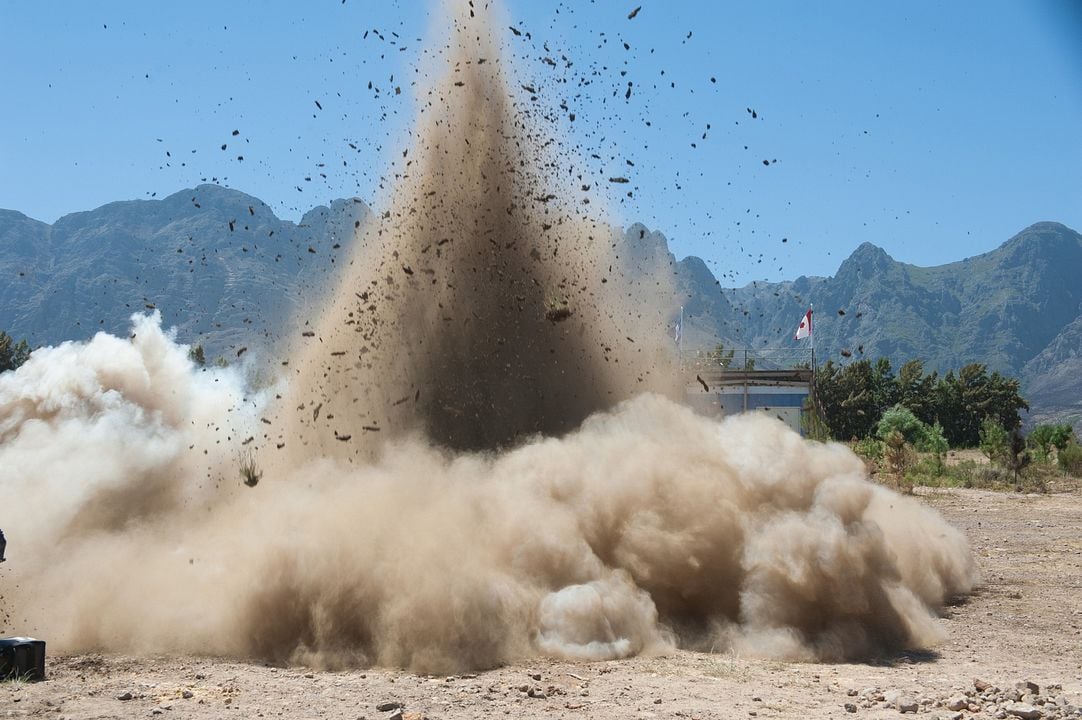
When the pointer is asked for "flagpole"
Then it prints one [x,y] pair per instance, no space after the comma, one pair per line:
[806,329]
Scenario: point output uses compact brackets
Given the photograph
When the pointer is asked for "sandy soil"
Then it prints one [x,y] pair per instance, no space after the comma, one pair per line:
[1022,625]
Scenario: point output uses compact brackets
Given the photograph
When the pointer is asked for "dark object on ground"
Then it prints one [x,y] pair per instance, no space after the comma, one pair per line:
[22,658]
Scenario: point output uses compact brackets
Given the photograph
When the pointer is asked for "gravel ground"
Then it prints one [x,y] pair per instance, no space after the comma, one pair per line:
[1022,626]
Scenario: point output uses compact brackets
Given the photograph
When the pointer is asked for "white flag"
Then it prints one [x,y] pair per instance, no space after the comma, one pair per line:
[804,329]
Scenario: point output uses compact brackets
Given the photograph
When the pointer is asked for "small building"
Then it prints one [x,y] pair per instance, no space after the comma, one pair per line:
[781,393]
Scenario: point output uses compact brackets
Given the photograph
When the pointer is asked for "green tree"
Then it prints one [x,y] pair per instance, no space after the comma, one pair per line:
[12,354]
[994,441]
[934,443]
[1004,400]
[196,355]
[1043,438]
[849,399]
[884,386]
[854,398]
[916,390]
[965,400]
[947,404]
[976,403]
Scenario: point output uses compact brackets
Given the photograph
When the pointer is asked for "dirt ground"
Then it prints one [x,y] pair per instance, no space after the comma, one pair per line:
[1022,625]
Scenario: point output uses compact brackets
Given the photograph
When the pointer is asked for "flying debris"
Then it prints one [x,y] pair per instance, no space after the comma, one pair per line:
[462,285]
[558,314]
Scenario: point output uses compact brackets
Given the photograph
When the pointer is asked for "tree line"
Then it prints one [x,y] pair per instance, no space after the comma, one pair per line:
[852,399]
[12,354]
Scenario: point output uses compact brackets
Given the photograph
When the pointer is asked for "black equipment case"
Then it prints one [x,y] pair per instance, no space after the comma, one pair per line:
[22,658]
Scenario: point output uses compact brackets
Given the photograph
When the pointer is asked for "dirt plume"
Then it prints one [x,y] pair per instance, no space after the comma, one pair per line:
[477,465]
[479,307]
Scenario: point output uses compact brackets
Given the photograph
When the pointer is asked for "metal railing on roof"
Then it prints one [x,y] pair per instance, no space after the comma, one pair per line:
[745,359]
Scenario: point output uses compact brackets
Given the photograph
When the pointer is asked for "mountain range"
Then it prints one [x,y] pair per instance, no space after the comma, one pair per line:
[228,274]
[1017,309]
[221,267]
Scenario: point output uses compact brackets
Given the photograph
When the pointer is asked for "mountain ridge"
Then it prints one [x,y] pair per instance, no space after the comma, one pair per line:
[228,273]
[1008,308]
[91,269]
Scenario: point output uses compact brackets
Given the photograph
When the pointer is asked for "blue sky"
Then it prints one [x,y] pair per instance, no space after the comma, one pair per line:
[933,129]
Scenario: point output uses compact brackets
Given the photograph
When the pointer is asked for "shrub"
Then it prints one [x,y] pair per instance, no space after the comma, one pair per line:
[936,445]
[988,476]
[900,458]
[1043,438]
[966,473]
[869,449]
[1070,459]
[900,419]
[923,437]
[930,470]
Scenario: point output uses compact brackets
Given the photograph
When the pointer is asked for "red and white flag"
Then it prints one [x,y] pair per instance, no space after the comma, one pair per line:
[804,329]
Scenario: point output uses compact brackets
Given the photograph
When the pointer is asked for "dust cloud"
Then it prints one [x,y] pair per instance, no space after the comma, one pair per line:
[646,528]
[481,306]
[472,461]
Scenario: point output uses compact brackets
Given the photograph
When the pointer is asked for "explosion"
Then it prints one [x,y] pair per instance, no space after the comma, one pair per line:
[477,460]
